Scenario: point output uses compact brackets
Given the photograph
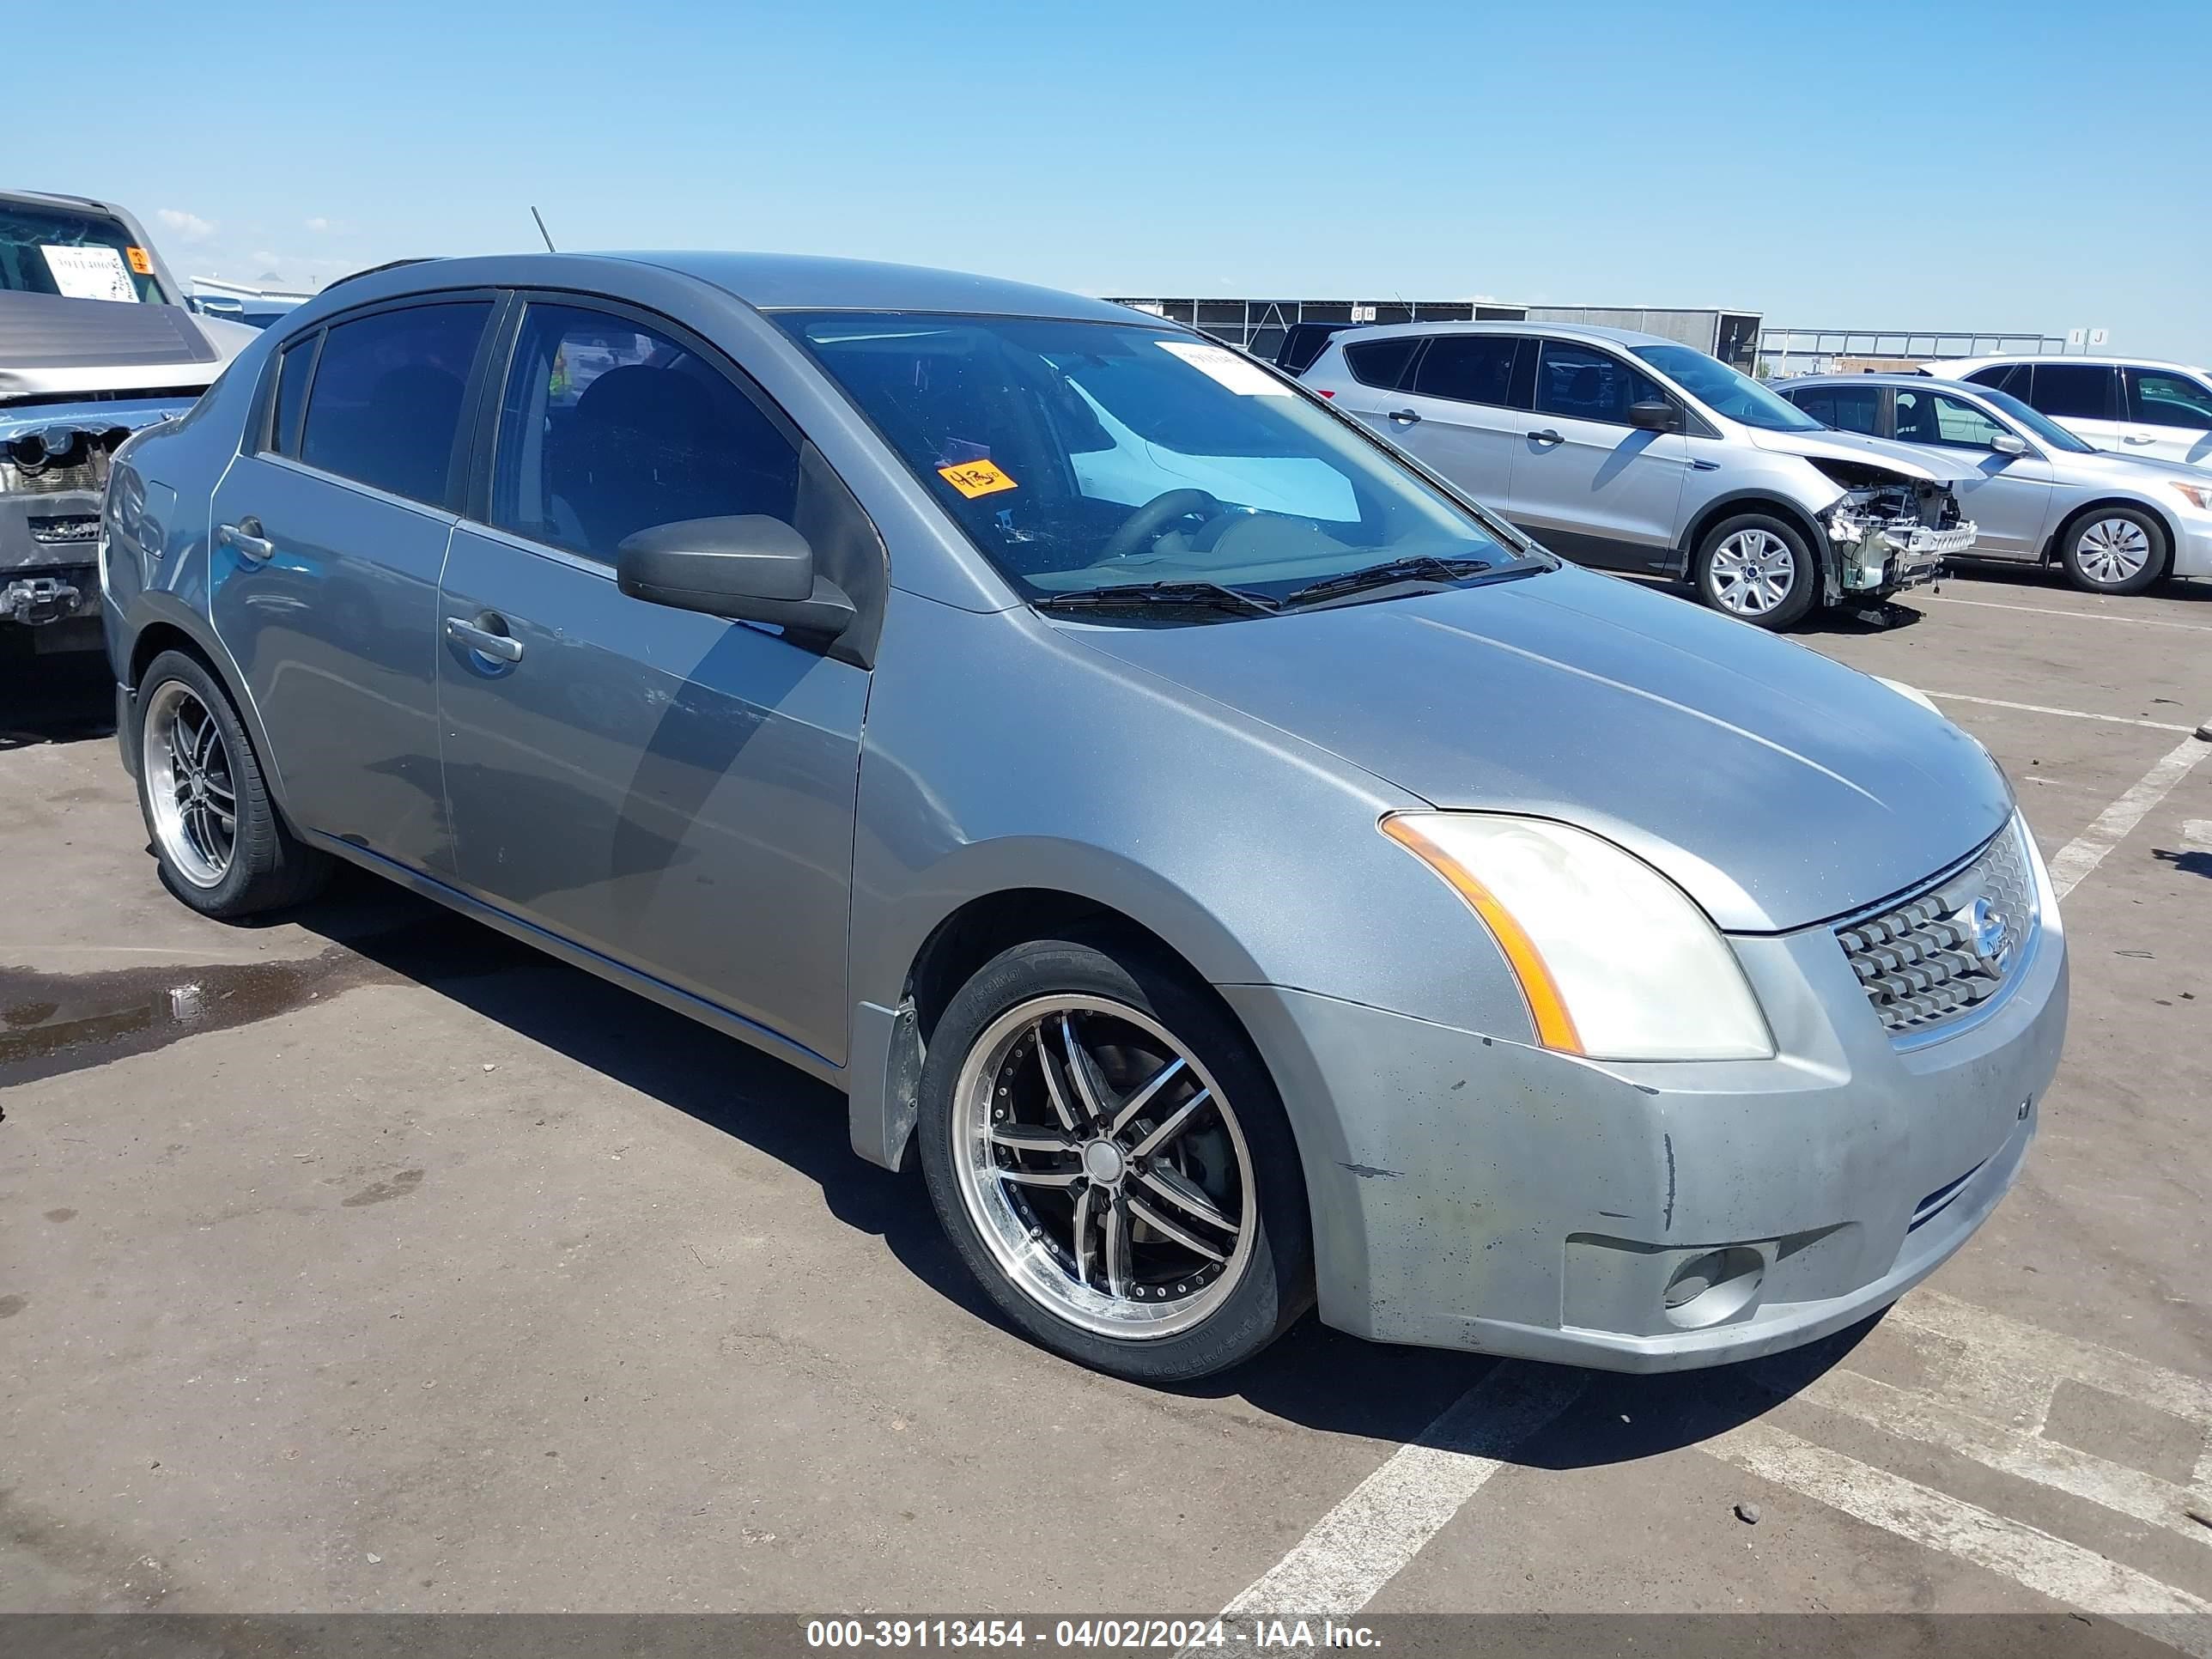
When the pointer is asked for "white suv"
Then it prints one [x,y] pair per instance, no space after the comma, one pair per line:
[1637,452]
[2152,410]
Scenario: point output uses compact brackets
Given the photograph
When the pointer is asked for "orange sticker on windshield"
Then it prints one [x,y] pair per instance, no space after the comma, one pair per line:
[141,261]
[974,478]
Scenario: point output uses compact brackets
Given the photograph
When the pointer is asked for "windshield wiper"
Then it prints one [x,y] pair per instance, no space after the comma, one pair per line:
[1425,567]
[1148,596]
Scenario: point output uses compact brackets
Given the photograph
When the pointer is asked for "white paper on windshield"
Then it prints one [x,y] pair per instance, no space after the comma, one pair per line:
[90,273]
[1245,379]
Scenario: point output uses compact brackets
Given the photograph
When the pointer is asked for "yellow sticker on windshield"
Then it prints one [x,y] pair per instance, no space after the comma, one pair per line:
[141,261]
[974,478]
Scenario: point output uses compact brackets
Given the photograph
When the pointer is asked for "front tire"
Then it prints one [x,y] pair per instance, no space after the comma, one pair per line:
[1758,569]
[221,847]
[1112,1163]
[2113,549]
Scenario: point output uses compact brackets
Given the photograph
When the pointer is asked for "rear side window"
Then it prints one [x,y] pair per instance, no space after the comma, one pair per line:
[386,398]
[1846,408]
[292,394]
[1469,368]
[1584,384]
[2081,390]
[1380,362]
[608,427]
[2005,376]
[2161,398]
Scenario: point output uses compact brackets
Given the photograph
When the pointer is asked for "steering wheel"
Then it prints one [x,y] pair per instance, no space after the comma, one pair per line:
[1146,523]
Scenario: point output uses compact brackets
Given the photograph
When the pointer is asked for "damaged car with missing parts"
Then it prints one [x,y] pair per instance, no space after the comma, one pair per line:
[96,343]
[1630,452]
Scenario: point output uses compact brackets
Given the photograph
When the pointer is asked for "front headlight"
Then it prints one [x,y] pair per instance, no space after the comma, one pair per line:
[2197,496]
[1615,961]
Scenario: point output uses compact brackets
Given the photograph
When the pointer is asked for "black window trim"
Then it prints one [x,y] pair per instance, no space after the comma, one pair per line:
[256,438]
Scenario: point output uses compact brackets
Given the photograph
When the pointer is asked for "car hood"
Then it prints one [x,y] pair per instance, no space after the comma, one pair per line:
[1775,786]
[1912,460]
[55,347]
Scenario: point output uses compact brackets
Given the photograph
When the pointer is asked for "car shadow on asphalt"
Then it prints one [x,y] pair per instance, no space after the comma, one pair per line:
[1315,1376]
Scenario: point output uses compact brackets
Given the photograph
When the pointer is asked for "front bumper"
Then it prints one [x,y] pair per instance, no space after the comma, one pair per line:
[1879,562]
[2192,548]
[1472,1193]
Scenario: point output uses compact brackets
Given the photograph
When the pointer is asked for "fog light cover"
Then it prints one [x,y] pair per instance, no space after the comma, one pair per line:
[1716,1286]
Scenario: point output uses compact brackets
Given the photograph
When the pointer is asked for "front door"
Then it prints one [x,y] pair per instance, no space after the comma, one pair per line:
[2009,497]
[326,538]
[1586,484]
[2169,417]
[668,789]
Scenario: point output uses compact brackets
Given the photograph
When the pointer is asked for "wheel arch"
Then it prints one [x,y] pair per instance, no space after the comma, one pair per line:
[1729,506]
[180,630]
[2054,543]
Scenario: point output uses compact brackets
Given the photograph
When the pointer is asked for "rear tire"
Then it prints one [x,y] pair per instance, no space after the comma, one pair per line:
[222,848]
[1758,569]
[1170,1248]
[2113,549]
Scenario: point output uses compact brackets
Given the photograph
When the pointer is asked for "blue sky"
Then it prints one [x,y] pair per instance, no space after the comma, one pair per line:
[2028,166]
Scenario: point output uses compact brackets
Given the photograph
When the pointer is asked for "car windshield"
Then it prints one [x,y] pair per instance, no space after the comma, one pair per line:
[2040,424]
[80,256]
[1083,457]
[1725,392]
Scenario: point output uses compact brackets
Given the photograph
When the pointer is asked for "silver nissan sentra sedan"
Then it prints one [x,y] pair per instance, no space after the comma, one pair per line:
[1240,870]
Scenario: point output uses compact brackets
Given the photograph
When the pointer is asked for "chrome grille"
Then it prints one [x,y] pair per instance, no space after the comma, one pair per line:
[1940,955]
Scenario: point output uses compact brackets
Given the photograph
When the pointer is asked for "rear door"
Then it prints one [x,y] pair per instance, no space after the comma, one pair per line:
[2083,398]
[327,535]
[1371,372]
[2169,416]
[1586,484]
[668,789]
[1456,412]
[2009,498]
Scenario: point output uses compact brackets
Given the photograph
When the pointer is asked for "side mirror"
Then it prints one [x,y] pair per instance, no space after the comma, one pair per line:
[1658,415]
[2009,443]
[750,569]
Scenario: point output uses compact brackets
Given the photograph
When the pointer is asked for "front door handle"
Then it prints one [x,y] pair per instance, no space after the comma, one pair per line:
[245,536]
[505,647]
[1406,416]
[1547,437]
[2132,439]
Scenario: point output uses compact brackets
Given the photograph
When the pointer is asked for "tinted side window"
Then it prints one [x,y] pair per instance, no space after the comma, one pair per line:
[1473,369]
[607,427]
[291,394]
[2160,398]
[1930,417]
[1584,384]
[2082,391]
[2005,376]
[1846,408]
[1380,362]
[386,398]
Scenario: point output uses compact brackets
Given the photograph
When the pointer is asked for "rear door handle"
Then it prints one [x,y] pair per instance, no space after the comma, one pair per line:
[245,536]
[503,647]
[2132,439]
[1545,437]
[1406,416]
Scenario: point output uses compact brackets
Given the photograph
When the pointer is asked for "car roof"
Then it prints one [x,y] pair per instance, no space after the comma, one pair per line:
[1590,331]
[769,282]
[1967,365]
[51,198]
[1903,381]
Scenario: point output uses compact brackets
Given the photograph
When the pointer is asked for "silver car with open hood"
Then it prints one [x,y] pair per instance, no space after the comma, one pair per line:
[96,341]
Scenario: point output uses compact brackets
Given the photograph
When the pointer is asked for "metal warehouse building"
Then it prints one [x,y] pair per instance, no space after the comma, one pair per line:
[1258,326]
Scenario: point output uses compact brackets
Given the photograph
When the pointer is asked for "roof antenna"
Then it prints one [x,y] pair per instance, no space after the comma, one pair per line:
[540,218]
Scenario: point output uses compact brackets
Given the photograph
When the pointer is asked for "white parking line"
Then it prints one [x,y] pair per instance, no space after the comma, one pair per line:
[2068,713]
[1359,1546]
[2050,1566]
[2087,850]
[2078,615]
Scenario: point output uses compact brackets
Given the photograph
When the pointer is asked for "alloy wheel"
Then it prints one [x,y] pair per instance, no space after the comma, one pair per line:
[1753,572]
[190,785]
[2112,549]
[1103,1167]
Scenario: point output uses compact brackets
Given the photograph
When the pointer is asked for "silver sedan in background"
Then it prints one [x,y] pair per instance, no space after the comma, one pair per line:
[2039,494]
